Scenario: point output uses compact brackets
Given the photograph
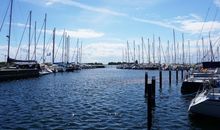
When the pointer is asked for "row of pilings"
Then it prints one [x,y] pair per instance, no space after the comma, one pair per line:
[150,90]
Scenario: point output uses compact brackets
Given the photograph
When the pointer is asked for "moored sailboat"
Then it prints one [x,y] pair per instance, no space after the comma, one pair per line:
[17,69]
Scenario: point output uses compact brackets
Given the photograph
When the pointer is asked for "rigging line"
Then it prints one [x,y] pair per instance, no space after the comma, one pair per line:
[207,13]
[216,13]
[163,54]
[32,37]
[48,43]
[38,38]
[3,21]
[73,55]
[22,36]
[145,49]
[61,39]
[212,46]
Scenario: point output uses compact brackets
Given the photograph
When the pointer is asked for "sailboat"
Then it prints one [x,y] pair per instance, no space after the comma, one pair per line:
[206,103]
[17,69]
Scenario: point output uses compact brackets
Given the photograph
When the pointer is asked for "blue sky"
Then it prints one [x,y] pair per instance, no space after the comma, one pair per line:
[104,26]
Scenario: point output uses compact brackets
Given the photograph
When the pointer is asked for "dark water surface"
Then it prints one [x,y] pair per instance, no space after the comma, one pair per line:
[95,99]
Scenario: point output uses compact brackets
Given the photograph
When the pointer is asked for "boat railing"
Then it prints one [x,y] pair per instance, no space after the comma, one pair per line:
[204,89]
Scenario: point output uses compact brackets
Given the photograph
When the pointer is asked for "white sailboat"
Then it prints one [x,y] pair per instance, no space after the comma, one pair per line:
[206,103]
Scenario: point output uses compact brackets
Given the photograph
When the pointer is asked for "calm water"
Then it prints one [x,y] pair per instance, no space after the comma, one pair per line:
[94,99]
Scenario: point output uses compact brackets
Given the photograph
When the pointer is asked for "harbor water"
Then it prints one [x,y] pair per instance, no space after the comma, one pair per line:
[96,99]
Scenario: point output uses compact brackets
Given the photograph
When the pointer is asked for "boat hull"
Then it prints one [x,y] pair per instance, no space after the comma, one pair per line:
[208,107]
[190,87]
[13,74]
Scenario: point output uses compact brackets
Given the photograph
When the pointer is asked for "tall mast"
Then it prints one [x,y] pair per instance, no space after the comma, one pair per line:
[168,51]
[148,40]
[139,55]
[35,40]
[189,52]
[217,53]
[122,60]
[134,51]
[142,49]
[77,51]
[174,44]
[153,49]
[68,49]
[203,53]
[183,48]
[29,38]
[62,56]
[45,25]
[159,50]
[81,53]
[128,52]
[54,34]
[211,51]
[9,32]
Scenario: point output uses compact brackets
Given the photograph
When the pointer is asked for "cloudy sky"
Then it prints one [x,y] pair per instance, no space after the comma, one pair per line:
[105,26]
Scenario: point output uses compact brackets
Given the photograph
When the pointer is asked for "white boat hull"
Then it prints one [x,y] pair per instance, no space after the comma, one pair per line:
[204,104]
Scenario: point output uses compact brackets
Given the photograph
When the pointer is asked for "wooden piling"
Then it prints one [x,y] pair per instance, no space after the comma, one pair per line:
[146,84]
[170,76]
[177,75]
[182,73]
[153,87]
[149,105]
[160,74]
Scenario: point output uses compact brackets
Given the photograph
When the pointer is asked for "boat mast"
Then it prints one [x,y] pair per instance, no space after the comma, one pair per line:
[183,49]
[54,31]
[134,50]
[148,40]
[174,45]
[203,53]
[139,55]
[159,50]
[142,49]
[29,38]
[45,21]
[9,32]
[153,49]
[211,51]
[35,40]
[77,51]
[128,52]
[81,53]
[189,52]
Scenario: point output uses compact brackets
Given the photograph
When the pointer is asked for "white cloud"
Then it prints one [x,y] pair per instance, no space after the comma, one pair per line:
[217,3]
[78,5]
[194,24]
[102,52]
[157,22]
[79,33]
[189,24]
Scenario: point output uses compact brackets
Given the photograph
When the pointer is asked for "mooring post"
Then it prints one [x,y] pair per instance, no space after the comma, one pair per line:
[149,107]
[169,76]
[160,73]
[177,76]
[146,84]
[153,87]
[182,73]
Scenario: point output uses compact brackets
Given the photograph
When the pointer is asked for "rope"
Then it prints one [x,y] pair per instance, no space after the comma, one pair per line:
[22,36]
[4,17]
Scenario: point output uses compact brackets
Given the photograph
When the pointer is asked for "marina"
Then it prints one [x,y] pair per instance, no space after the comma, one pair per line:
[167,77]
